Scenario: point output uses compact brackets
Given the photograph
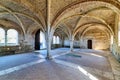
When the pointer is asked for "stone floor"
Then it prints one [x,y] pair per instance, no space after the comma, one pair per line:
[81,64]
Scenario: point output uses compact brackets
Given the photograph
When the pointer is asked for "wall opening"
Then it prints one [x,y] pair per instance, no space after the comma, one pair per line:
[37,40]
[89,43]
[42,40]
[12,37]
[2,37]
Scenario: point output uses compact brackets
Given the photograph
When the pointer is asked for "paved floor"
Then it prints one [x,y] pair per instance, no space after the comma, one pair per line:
[81,64]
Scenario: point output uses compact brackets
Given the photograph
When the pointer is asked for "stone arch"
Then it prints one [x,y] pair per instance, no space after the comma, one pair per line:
[114,5]
[101,37]
[108,32]
[9,11]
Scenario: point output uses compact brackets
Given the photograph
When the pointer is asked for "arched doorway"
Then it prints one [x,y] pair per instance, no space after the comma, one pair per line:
[37,40]
[40,42]
[89,43]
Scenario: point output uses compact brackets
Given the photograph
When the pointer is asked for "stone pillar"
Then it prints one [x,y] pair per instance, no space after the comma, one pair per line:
[80,42]
[5,37]
[48,43]
[48,29]
[71,43]
[62,41]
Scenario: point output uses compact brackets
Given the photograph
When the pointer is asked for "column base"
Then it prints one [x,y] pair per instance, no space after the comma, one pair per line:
[49,58]
[71,50]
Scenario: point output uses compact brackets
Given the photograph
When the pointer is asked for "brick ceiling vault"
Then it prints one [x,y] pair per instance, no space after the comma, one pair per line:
[31,15]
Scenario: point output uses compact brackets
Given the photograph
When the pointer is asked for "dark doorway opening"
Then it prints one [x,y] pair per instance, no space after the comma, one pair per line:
[37,40]
[89,44]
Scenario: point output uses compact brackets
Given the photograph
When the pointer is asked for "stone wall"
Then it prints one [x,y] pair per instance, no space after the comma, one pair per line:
[99,40]
[24,45]
[76,43]
[9,50]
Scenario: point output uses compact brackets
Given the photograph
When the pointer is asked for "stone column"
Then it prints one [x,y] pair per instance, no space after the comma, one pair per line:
[62,41]
[48,43]
[48,29]
[71,43]
[80,42]
[5,37]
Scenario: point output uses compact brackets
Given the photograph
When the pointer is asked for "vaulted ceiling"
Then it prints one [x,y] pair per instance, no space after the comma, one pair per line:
[66,16]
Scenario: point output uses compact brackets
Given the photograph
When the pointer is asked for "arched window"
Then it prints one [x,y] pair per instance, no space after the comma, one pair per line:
[57,40]
[12,37]
[111,39]
[2,36]
[54,39]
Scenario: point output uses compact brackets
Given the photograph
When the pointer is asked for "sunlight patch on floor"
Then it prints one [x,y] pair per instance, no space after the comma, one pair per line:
[86,73]
[93,54]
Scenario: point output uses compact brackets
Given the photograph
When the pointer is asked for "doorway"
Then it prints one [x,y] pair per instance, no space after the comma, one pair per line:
[42,40]
[37,40]
[89,42]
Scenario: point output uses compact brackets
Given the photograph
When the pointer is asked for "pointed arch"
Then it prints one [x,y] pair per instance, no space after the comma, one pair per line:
[12,37]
